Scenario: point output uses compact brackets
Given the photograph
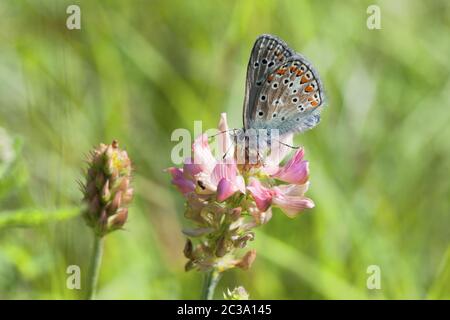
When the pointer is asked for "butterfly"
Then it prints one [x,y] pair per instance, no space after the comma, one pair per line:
[283,91]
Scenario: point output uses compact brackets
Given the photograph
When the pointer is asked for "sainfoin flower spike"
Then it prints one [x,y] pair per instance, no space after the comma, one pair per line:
[106,196]
[107,190]
[225,201]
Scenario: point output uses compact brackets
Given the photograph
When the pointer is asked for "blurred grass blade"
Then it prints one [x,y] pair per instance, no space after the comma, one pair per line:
[317,276]
[439,289]
[35,217]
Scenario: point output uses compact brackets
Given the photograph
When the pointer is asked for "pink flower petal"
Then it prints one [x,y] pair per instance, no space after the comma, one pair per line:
[295,171]
[293,189]
[290,199]
[277,153]
[263,196]
[228,182]
[240,184]
[190,169]
[223,170]
[202,153]
[178,179]
[225,189]
[224,139]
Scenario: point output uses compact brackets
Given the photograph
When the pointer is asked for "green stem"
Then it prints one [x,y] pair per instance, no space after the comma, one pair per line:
[94,269]
[209,286]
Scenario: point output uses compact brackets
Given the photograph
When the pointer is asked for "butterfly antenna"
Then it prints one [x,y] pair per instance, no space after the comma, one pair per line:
[221,132]
[288,145]
[228,150]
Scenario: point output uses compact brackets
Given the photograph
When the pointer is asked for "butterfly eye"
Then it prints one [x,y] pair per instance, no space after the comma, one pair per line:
[275,85]
[263,98]
[294,100]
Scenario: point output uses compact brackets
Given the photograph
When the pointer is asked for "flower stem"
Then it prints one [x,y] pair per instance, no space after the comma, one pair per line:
[209,286]
[94,269]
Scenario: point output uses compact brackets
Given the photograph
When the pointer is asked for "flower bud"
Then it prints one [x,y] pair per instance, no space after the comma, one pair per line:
[189,265]
[247,260]
[188,249]
[242,241]
[236,213]
[238,293]
[107,190]
[222,247]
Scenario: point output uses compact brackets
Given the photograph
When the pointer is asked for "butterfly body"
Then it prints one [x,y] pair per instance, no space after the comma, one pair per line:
[283,91]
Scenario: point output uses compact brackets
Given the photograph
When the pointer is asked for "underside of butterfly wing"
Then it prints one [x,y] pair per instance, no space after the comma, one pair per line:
[290,98]
[268,54]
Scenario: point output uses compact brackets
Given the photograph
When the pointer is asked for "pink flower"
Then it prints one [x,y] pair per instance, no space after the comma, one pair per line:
[225,177]
[205,175]
[191,169]
[295,171]
[262,195]
[279,150]
[289,198]
[206,182]
[178,179]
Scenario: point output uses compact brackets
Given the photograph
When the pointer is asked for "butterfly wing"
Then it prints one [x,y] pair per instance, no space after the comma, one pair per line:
[290,98]
[268,54]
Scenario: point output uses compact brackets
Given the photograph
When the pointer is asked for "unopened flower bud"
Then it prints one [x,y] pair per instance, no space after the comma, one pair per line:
[222,247]
[189,265]
[117,220]
[236,213]
[247,260]
[242,241]
[188,249]
[107,189]
[238,293]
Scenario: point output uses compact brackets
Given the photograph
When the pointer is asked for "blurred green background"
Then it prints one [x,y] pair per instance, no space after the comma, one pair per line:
[137,70]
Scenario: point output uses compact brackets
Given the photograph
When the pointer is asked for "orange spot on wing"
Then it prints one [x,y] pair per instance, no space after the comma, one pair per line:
[281,71]
[293,68]
[303,80]
[309,88]
[315,103]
